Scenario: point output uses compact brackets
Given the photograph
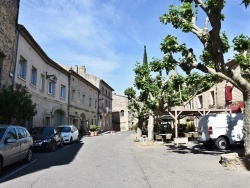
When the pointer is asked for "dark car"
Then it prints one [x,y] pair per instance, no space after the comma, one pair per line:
[15,145]
[46,138]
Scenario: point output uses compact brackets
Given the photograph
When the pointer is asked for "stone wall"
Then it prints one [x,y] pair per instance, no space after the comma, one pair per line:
[8,38]
[125,119]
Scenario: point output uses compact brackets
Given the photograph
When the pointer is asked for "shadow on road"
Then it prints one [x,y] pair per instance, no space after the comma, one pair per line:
[42,160]
[200,149]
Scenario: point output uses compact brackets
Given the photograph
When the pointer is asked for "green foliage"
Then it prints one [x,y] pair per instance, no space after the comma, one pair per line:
[180,17]
[94,127]
[16,104]
[245,2]
[130,93]
[241,43]
[244,61]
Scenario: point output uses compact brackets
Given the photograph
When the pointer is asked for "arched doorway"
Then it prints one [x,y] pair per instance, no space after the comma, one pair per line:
[58,117]
[83,126]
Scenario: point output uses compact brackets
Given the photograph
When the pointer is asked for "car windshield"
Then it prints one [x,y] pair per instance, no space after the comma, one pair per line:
[2,130]
[42,131]
[64,129]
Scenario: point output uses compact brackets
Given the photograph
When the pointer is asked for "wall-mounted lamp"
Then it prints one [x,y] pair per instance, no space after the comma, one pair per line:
[52,76]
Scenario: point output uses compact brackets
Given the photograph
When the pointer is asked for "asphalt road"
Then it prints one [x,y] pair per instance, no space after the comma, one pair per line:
[115,160]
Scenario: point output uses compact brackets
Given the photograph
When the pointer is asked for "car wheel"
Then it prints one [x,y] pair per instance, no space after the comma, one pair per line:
[53,147]
[61,143]
[71,140]
[221,143]
[29,156]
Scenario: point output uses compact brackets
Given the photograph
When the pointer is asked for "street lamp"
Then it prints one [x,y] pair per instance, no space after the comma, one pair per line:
[52,76]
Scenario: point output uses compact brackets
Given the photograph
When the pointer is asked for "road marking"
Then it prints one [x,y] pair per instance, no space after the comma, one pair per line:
[17,170]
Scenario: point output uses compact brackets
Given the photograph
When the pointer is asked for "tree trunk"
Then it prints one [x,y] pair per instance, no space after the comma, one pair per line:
[139,127]
[246,129]
[151,127]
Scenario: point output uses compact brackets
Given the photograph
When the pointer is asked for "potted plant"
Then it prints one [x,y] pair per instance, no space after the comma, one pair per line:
[94,130]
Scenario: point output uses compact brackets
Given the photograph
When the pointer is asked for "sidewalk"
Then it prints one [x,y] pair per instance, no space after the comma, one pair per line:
[187,165]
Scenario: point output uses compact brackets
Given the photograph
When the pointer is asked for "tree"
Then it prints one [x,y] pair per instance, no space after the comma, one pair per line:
[215,44]
[138,108]
[15,104]
[159,93]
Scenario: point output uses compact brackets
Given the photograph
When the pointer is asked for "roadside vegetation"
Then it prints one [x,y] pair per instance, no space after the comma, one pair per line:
[156,94]
[16,105]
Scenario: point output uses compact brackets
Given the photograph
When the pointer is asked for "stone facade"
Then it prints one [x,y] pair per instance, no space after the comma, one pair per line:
[37,71]
[123,119]
[8,39]
[104,99]
[215,97]
[51,85]
[82,102]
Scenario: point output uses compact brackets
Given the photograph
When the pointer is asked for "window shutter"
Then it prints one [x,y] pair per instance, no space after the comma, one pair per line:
[228,93]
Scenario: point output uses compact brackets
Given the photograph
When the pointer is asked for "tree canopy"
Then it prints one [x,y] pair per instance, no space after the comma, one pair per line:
[16,104]
[157,91]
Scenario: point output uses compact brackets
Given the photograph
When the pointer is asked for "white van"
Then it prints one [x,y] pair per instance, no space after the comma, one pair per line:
[220,130]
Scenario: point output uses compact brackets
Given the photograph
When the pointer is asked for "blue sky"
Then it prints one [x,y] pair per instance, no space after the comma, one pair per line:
[107,36]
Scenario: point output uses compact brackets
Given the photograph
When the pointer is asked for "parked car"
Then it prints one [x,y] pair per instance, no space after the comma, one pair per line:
[220,130]
[69,133]
[46,138]
[15,144]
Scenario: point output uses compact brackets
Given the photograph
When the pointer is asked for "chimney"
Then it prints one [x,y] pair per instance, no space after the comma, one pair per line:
[76,68]
[82,70]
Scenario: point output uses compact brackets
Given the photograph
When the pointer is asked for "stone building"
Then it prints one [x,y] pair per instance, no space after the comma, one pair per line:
[46,81]
[8,39]
[122,118]
[62,95]
[221,95]
[83,98]
[104,99]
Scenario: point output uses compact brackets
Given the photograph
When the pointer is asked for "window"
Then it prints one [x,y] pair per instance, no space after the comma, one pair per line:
[212,99]
[200,102]
[102,90]
[83,98]
[51,87]
[22,68]
[42,81]
[11,134]
[63,92]
[47,121]
[33,76]
[95,103]
[73,94]
[21,133]
[106,104]
[79,94]
[90,101]
[122,113]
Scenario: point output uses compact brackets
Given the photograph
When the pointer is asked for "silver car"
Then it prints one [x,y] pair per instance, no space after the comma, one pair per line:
[15,145]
